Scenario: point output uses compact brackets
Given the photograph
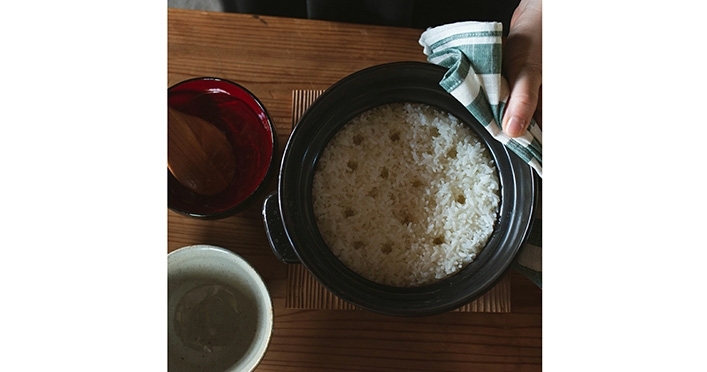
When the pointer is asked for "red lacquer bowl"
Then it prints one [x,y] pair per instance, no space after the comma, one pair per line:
[249,129]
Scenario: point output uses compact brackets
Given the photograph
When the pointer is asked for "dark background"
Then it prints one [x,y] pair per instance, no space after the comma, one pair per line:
[401,13]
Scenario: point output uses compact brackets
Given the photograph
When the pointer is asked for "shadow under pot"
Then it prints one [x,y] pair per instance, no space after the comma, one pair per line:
[289,214]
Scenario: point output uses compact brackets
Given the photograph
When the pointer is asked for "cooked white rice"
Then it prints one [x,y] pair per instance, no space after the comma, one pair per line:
[405,195]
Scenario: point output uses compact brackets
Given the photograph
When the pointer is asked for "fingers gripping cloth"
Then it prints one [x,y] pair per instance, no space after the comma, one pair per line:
[472,53]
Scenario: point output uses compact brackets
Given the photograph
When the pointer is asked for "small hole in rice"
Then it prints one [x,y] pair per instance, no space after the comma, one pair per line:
[403,216]
[461,199]
[352,165]
[402,194]
[452,153]
[357,139]
[384,173]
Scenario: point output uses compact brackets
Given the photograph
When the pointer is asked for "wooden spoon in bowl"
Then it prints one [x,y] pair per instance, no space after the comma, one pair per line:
[199,154]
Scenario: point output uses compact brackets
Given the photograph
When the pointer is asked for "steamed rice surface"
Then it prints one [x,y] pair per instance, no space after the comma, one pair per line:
[405,194]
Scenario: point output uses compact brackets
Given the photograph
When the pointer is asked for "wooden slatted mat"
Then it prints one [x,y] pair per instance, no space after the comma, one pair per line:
[305,292]
[301,99]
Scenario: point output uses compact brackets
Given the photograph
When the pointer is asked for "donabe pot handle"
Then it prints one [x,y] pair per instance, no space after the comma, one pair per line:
[275,230]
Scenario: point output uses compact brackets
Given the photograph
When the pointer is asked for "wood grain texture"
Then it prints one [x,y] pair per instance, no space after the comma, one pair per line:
[271,57]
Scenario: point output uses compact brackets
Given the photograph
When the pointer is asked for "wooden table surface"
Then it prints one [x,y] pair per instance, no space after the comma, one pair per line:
[271,57]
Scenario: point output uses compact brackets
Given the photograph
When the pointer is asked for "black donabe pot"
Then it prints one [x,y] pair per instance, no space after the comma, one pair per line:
[289,216]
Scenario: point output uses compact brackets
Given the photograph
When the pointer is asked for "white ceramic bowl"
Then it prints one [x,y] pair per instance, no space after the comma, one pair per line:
[219,311]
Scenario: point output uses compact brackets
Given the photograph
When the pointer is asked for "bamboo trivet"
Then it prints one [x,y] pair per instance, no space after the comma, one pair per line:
[305,292]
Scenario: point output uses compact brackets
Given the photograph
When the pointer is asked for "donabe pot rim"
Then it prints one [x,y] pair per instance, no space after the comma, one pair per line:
[415,82]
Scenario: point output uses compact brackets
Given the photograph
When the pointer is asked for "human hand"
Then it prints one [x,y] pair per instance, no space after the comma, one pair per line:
[522,65]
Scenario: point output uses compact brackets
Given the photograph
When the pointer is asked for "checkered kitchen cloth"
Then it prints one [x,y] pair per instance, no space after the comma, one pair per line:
[472,53]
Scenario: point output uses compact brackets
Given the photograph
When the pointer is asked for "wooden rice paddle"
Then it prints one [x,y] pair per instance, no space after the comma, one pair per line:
[199,154]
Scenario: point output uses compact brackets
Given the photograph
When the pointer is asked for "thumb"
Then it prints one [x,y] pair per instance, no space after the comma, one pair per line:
[522,65]
[522,102]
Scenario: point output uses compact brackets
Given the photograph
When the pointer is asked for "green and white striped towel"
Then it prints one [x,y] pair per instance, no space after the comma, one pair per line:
[472,53]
